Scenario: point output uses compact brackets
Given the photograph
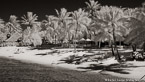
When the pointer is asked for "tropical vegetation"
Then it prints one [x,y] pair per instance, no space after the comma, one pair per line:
[96,22]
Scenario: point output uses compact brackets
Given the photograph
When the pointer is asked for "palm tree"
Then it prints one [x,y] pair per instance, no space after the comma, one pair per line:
[31,34]
[136,35]
[60,23]
[92,6]
[2,26]
[50,30]
[108,27]
[3,33]
[80,24]
[29,19]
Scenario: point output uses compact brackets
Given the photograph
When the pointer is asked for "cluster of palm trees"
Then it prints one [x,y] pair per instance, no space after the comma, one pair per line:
[96,22]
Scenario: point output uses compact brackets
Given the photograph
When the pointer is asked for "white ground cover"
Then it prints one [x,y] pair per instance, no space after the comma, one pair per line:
[46,57]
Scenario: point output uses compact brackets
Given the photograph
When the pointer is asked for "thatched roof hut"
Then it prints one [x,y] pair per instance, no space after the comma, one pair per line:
[14,37]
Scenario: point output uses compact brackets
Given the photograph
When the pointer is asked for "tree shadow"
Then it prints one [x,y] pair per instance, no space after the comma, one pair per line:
[71,59]
[106,68]
[40,48]
[48,53]
[42,54]
[46,46]
[53,51]
[92,50]
[74,59]
[117,68]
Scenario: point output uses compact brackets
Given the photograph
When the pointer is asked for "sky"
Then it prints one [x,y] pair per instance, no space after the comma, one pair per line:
[43,7]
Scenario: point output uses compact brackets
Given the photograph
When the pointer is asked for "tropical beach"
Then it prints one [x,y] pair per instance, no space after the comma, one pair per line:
[96,43]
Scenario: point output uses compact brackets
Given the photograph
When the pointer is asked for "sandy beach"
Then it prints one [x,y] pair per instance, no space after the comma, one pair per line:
[133,69]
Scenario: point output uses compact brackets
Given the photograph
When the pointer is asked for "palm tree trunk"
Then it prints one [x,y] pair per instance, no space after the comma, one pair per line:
[143,47]
[69,40]
[96,43]
[69,44]
[115,46]
[99,44]
[110,43]
[75,50]
[120,42]
[134,47]
[67,33]
[74,42]
[112,49]
[54,40]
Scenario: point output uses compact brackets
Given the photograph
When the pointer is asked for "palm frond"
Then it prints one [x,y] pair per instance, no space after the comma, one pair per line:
[30,18]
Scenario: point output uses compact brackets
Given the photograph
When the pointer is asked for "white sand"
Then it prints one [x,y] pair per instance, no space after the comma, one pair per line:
[136,69]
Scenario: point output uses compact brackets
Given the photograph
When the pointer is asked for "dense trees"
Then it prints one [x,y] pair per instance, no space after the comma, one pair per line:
[80,24]
[59,24]
[107,22]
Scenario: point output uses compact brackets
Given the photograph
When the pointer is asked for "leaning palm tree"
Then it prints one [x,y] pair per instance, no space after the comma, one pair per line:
[131,20]
[136,35]
[14,23]
[108,27]
[80,23]
[14,28]
[33,28]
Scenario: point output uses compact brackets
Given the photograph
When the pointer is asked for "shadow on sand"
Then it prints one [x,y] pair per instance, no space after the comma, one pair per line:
[117,68]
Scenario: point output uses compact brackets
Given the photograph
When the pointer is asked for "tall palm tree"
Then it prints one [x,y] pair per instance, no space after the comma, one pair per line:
[31,34]
[108,27]
[29,19]
[2,26]
[51,29]
[60,23]
[63,21]
[92,6]
[80,23]
[3,32]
